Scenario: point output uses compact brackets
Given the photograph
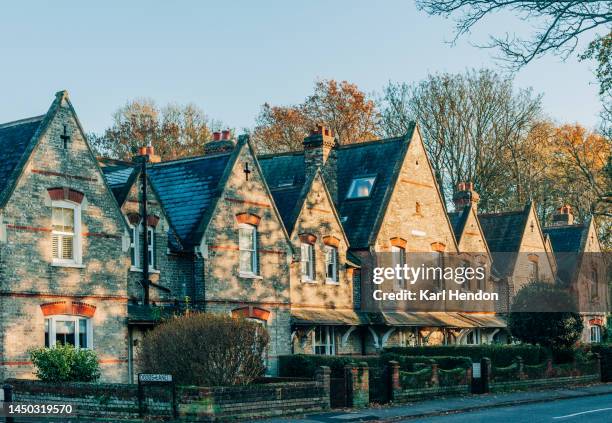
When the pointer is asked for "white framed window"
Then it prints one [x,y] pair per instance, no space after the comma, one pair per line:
[247,243]
[307,262]
[595,334]
[66,233]
[324,340]
[399,259]
[361,187]
[473,338]
[68,330]
[136,240]
[331,264]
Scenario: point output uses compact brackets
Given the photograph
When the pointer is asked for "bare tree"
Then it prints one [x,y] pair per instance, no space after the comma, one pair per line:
[563,22]
[472,125]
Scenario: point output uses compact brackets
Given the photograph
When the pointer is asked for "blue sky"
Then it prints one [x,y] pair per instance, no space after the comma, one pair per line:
[230,57]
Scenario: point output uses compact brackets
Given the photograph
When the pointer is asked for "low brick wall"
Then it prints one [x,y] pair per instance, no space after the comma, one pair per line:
[543,383]
[198,404]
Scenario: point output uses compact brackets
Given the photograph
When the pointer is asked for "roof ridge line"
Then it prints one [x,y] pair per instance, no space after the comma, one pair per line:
[189,159]
[20,121]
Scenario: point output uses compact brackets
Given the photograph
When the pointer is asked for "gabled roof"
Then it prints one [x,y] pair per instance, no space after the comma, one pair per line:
[187,189]
[120,176]
[568,242]
[458,220]
[360,217]
[285,176]
[15,137]
[568,238]
[504,231]
[383,159]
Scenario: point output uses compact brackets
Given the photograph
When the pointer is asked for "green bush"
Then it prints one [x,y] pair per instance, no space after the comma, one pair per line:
[65,363]
[305,365]
[536,371]
[500,355]
[411,363]
[418,379]
[452,377]
[506,373]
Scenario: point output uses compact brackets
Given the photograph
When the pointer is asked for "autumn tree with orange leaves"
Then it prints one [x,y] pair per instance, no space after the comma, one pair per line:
[341,106]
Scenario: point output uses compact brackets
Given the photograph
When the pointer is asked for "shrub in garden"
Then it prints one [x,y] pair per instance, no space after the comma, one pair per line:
[305,365]
[557,327]
[65,363]
[500,355]
[206,350]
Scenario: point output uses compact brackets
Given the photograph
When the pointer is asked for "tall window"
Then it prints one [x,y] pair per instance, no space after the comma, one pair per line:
[307,262]
[331,264]
[534,271]
[399,259]
[68,330]
[65,237]
[136,240]
[325,340]
[594,293]
[248,249]
[473,338]
[595,334]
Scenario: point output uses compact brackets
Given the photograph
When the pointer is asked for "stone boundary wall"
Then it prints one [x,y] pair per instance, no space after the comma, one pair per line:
[197,404]
[543,383]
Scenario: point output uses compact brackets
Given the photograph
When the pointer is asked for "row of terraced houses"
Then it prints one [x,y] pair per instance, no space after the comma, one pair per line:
[282,239]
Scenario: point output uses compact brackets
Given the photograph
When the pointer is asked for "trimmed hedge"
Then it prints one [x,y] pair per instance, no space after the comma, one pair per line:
[500,355]
[305,365]
[411,363]
[414,380]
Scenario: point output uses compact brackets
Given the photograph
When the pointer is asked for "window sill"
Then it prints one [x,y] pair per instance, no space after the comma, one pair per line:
[62,264]
[249,275]
[311,281]
[331,282]
[139,270]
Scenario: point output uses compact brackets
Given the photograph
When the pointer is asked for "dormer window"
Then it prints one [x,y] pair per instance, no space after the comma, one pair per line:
[361,187]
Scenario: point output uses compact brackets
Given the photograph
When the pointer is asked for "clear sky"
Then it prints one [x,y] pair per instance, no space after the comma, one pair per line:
[229,57]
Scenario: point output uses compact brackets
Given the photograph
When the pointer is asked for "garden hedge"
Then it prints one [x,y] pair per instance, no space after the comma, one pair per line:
[500,355]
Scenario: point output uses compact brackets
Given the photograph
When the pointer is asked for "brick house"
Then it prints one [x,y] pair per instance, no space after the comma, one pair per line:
[63,251]
[475,251]
[581,268]
[219,241]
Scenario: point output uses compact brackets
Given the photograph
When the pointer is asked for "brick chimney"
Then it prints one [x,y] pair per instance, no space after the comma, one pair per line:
[465,195]
[150,152]
[320,152]
[563,216]
[222,142]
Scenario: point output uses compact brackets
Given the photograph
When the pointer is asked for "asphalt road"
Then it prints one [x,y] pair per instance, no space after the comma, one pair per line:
[596,409]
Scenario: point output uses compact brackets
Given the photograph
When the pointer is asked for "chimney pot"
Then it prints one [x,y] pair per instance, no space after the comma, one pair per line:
[216,136]
[142,151]
[225,135]
[564,216]
[465,195]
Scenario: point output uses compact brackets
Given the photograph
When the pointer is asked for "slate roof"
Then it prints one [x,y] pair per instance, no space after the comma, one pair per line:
[186,189]
[568,243]
[15,138]
[503,233]
[360,217]
[119,176]
[458,219]
[567,238]
[284,169]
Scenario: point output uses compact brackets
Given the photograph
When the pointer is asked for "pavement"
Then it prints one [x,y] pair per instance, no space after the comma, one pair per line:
[585,403]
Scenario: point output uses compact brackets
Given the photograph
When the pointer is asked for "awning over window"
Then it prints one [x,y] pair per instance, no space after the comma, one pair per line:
[308,316]
[427,319]
[486,320]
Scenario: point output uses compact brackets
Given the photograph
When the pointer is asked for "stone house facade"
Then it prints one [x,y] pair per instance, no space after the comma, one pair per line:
[63,251]
[581,268]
